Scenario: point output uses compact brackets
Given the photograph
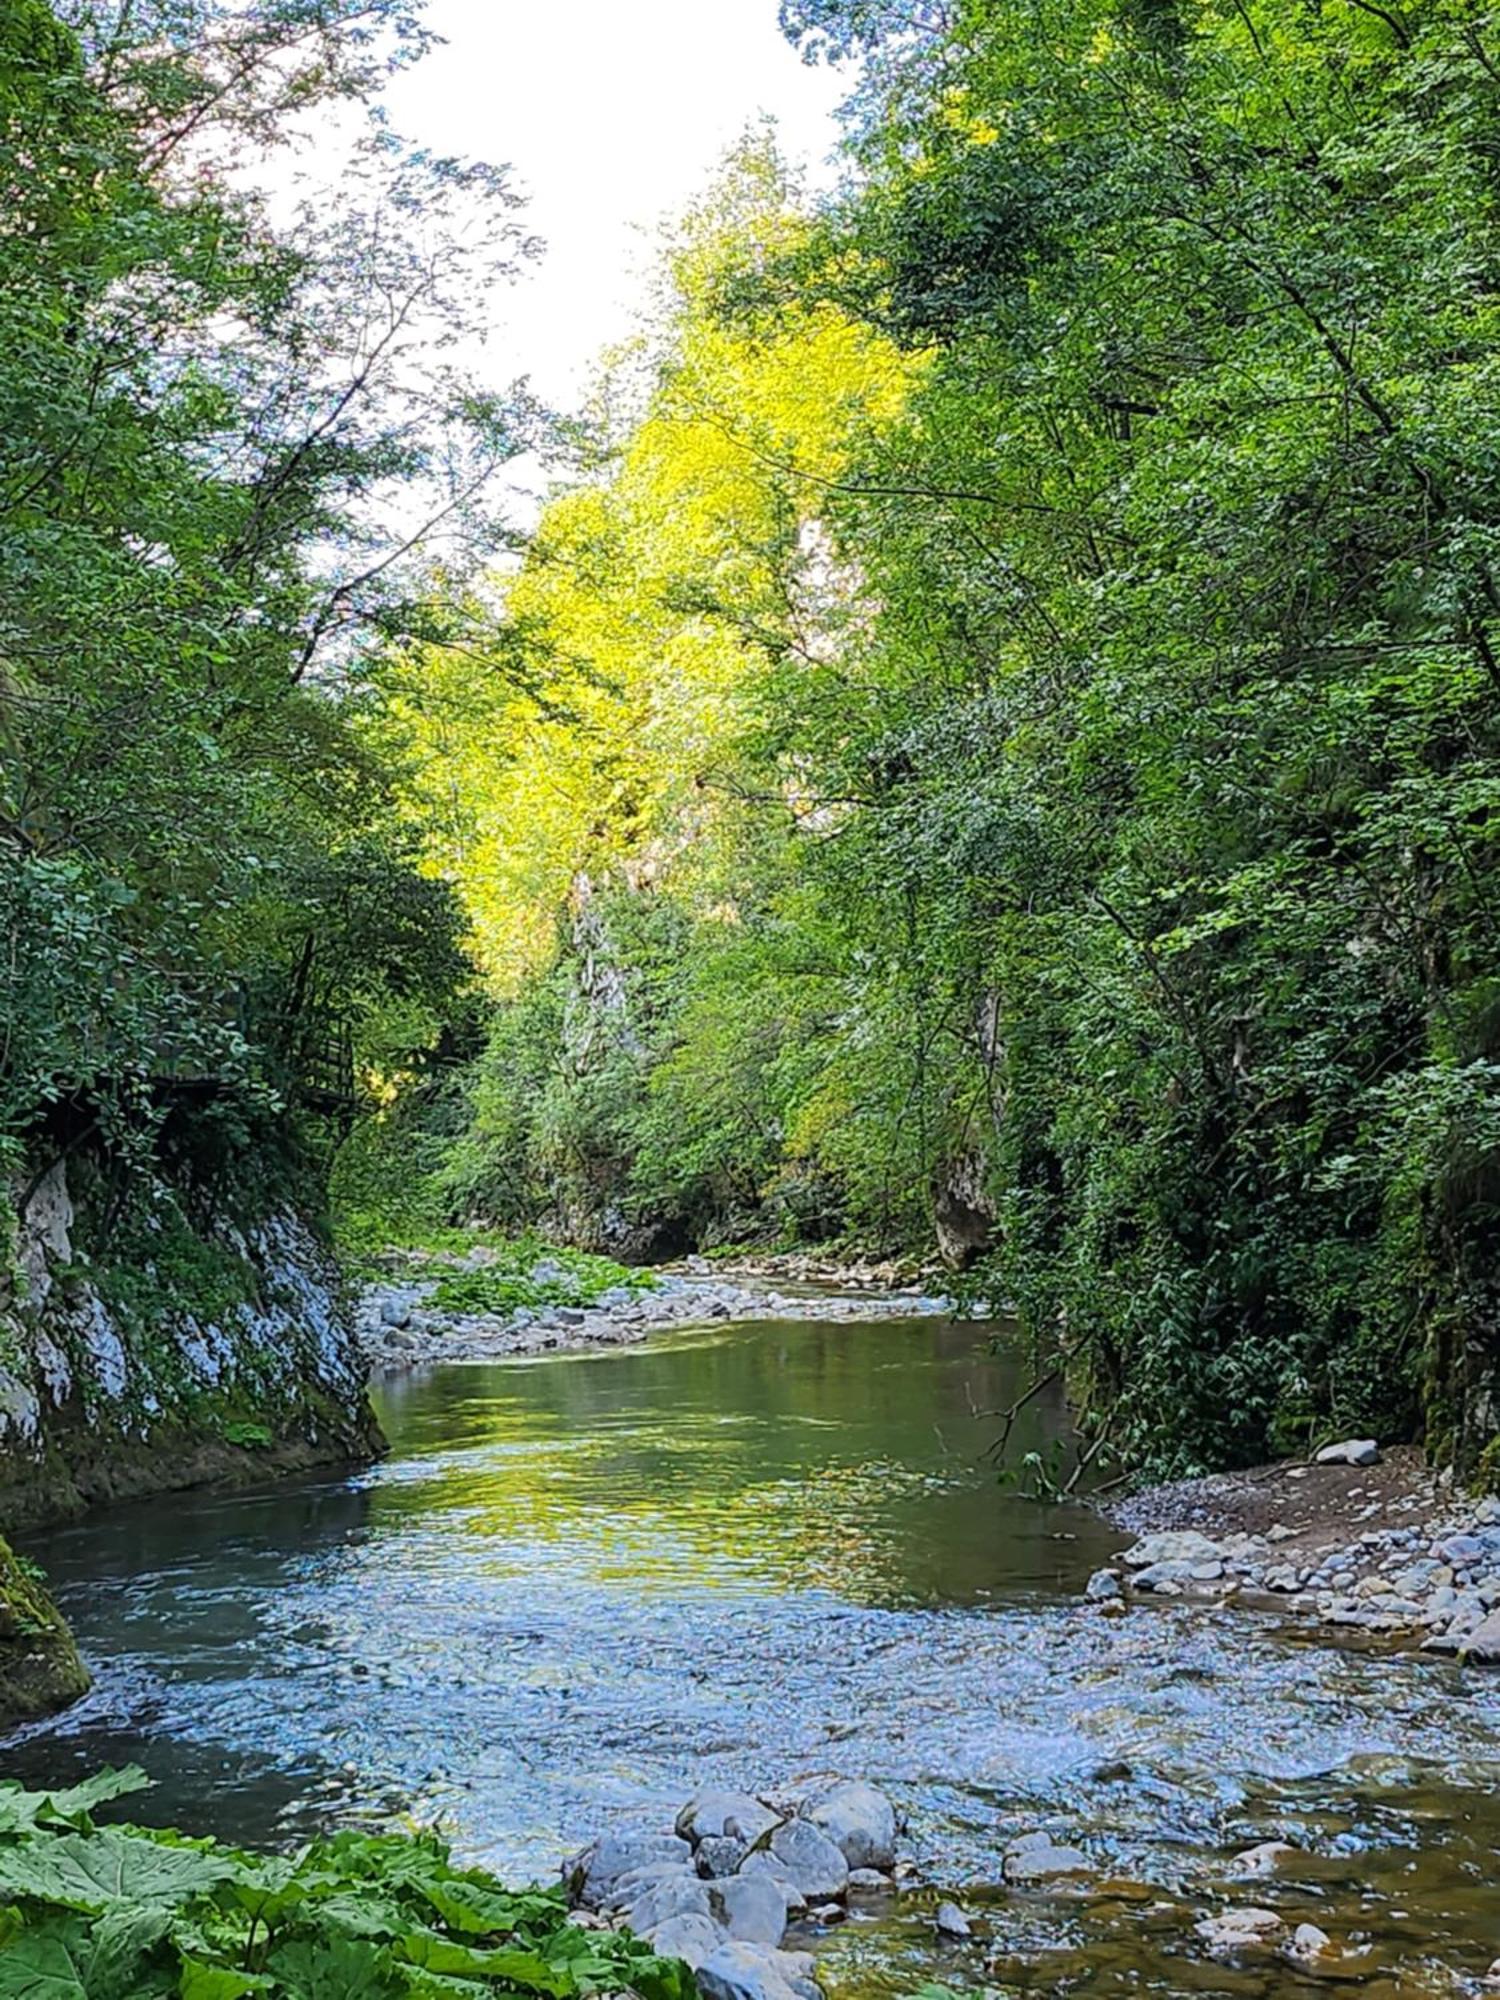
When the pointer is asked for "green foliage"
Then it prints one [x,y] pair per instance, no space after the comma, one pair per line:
[570,1278]
[220,484]
[119,1913]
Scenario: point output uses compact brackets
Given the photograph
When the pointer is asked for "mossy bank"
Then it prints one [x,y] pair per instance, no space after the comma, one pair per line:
[195,1332]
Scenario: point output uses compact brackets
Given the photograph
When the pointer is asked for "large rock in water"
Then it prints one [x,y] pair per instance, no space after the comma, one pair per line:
[716,1815]
[811,1860]
[1482,1646]
[860,1822]
[592,1876]
[752,1972]
[750,1907]
[40,1670]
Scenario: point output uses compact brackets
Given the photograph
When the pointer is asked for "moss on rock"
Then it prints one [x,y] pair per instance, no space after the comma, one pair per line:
[40,1670]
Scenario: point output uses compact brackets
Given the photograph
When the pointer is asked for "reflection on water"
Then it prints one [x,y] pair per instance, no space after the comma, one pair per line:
[582,1583]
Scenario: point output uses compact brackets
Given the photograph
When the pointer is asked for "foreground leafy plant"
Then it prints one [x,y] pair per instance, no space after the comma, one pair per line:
[124,1912]
[527,1272]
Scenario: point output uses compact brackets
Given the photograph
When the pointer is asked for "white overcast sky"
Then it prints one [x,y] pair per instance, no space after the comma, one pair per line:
[612,115]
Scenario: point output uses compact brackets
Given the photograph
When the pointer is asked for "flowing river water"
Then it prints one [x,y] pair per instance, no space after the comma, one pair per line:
[582,1584]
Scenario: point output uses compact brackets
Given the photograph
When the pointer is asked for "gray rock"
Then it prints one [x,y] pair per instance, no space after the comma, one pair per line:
[750,1907]
[1235,1930]
[759,1862]
[951,1922]
[591,1875]
[869,1882]
[682,1896]
[570,1315]
[1102,1584]
[1309,1942]
[1171,1572]
[811,1859]
[395,1312]
[1037,1857]
[738,1971]
[714,1814]
[1352,1451]
[860,1822]
[1172,1545]
[690,1937]
[720,1854]
[1263,1859]
[1482,1645]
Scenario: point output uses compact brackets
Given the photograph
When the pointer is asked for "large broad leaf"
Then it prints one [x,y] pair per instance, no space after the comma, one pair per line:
[346,1969]
[21,1810]
[509,1968]
[479,1909]
[95,1872]
[198,1980]
[69,1958]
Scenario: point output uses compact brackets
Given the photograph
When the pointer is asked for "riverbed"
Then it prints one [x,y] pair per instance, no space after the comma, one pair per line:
[582,1584]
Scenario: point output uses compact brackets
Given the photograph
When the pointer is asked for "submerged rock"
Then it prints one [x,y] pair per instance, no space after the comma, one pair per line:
[1037,1857]
[1238,1930]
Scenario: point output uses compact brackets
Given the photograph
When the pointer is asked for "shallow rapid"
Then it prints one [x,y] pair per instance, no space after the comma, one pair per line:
[583,1583]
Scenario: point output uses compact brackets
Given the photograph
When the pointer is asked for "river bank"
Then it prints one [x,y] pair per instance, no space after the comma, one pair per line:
[402,1322]
[1364,1542]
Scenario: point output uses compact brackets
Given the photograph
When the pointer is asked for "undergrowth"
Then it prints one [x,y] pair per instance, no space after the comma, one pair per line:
[92,1912]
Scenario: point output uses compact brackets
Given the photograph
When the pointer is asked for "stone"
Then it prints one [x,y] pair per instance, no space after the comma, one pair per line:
[759,1862]
[1168,1577]
[1037,1857]
[714,1814]
[689,1937]
[860,1822]
[720,1854]
[739,1971]
[812,1860]
[591,1875]
[1103,1584]
[1171,1545]
[395,1312]
[951,1922]
[681,1896]
[1309,1942]
[1352,1451]
[869,1882]
[1263,1859]
[1481,1647]
[1235,1930]
[750,1907]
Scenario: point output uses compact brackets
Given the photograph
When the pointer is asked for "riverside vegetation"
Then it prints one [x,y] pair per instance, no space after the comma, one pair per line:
[991,743]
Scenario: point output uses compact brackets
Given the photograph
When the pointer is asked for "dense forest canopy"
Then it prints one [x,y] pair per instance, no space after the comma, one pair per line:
[995,732]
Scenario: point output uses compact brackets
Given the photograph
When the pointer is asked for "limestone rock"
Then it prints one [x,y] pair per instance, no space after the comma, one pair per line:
[720,1854]
[951,1922]
[689,1937]
[593,1874]
[1237,1930]
[1482,1646]
[1037,1857]
[738,1971]
[860,1822]
[1183,1545]
[750,1907]
[811,1859]
[1102,1585]
[672,1896]
[713,1815]
[1352,1451]
[1263,1859]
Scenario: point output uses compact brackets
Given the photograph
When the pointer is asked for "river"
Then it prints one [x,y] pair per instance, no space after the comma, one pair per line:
[582,1583]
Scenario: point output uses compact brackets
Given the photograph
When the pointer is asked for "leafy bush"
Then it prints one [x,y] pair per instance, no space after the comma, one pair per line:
[569,1278]
[123,1912]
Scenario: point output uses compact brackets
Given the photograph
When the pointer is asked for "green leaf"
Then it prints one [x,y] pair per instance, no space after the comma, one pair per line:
[346,1969]
[67,1958]
[96,1872]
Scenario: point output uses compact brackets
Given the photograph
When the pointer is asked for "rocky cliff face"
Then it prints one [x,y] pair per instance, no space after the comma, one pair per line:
[193,1352]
